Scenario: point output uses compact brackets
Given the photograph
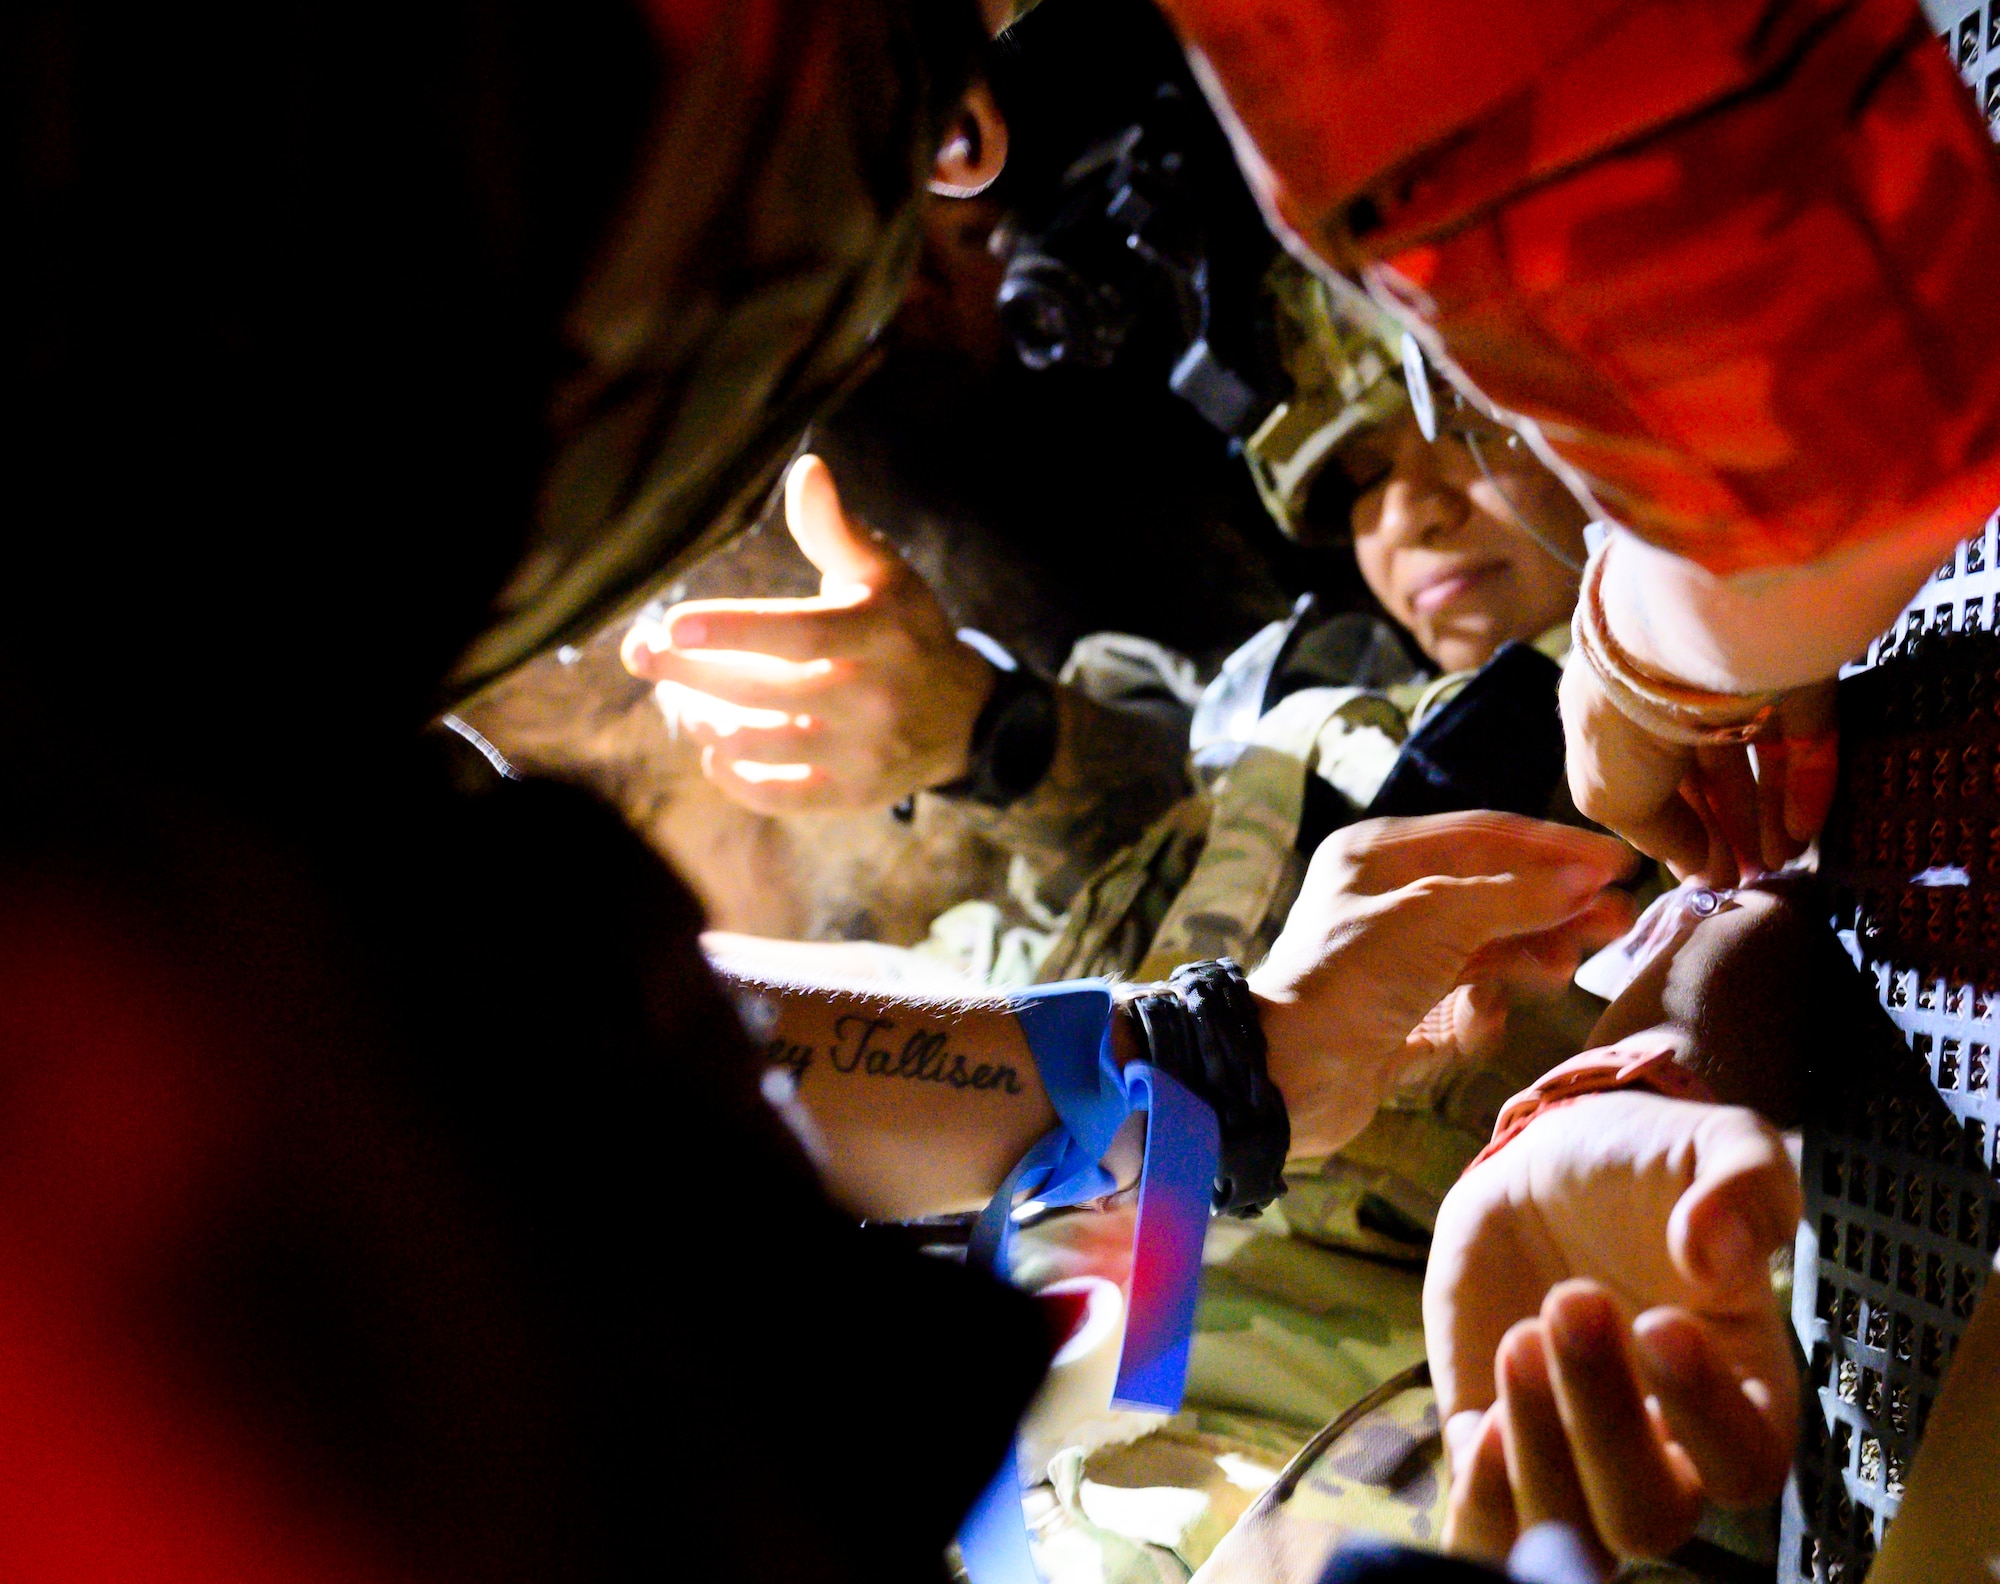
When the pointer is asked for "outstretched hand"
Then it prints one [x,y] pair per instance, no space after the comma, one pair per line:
[1407,938]
[851,699]
[1602,1332]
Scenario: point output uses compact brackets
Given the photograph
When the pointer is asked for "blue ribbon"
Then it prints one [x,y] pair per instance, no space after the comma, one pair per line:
[1068,1029]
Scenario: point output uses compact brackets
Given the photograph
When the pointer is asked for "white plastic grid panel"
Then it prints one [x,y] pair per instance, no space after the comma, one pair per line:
[1903,1199]
[1971,36]
[1902,1204]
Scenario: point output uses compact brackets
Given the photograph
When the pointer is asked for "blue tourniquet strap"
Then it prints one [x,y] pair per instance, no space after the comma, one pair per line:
[993,1540]
[1068,1029]
[1176,1189]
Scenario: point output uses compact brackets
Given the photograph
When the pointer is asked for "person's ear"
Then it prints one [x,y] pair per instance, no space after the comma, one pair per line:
[974,150]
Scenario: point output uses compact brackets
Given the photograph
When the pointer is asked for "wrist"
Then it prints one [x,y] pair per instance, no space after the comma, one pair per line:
[1649,1063]
[1656,696]
[1012,741]
[1204,1029]
[975,680]
[1330,1098]
[1774,629]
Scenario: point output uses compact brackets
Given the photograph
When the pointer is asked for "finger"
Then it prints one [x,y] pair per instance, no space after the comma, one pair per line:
[843,551]
[1539,1465]
[1625,778]
[1480,1016]
[1738,1437]
[1392,852]
[1548,959]
[1731,790]
[1771,761]
[1479,1513]
[1468,1025]
[804,629]
[1463,915]
[798,739]
[1718,865]
[1741,1205]
[748,681]
[1811,769]
[769,788]
[1640,1501]
[1676,835]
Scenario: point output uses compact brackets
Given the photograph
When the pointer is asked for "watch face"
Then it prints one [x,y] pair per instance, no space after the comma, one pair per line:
[1023,741]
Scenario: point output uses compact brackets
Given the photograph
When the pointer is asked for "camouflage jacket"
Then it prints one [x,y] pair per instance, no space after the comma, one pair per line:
[771,228]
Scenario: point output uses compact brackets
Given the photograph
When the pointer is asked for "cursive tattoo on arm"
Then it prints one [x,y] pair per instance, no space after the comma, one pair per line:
[870,1046]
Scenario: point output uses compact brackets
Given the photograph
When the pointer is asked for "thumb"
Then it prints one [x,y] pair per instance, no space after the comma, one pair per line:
[844,553]
[1743,1205]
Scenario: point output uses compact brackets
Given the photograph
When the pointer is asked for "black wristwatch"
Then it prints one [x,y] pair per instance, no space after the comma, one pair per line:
[1201,1028]
[1014,738]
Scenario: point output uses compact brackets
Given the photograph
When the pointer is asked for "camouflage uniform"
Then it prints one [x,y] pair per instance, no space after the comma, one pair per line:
[771,233]
[1342,369]
[1317,1307]
[1312,1315]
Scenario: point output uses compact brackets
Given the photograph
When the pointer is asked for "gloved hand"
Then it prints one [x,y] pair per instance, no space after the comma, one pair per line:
[1617,1249]
[1404,943]
[852,699]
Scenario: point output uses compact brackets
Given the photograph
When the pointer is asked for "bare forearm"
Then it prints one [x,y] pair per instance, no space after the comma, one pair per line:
[923,1105]
[1780,628]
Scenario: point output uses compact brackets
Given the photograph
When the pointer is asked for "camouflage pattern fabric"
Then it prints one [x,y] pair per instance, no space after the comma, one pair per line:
[1346,378]
[1288,1336]
[1734,259]
[1376,1471]
[773,227]
[1240,893]
[1216,873]
[1316,1307]
[1123,707]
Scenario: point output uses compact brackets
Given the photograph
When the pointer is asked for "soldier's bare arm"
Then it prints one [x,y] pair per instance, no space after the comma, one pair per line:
[923,1103]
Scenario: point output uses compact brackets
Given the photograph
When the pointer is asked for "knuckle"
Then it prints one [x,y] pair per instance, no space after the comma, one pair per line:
[873,706]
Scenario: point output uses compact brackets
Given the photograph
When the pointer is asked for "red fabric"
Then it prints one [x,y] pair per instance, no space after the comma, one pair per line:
[1595,1072]
[1735,258]
[120,1110]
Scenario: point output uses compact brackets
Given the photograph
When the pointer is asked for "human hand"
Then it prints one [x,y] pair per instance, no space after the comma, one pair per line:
[852,699]
[1725,813]
[1405,942]
[1602,1333]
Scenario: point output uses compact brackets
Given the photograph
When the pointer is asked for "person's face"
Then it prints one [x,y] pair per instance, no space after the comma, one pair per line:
[948,307]
[1441,551]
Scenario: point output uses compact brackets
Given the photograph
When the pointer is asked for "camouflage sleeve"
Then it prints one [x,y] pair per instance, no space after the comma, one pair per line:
[1115,771]
[771,224]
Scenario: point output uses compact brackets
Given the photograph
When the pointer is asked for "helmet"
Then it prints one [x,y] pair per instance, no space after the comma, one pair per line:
[1340,352]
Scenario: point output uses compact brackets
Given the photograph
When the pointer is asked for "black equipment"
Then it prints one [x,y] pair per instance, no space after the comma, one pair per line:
[1497,745]
[1136,242]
